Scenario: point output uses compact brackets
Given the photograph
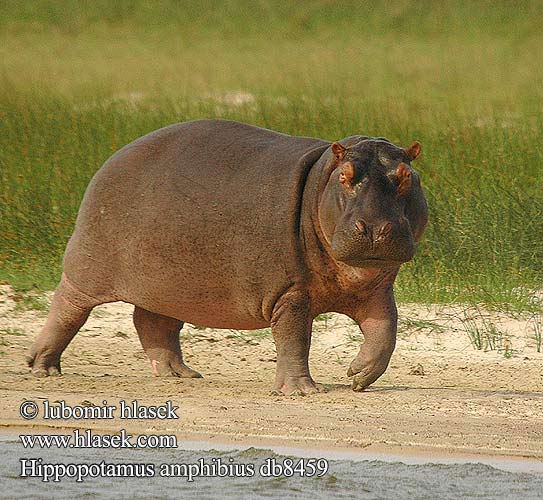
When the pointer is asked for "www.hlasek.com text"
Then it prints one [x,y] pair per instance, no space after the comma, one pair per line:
[89,439]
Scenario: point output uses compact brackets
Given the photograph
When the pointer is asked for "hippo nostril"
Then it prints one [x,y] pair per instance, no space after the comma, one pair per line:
[384,231]
[362,227]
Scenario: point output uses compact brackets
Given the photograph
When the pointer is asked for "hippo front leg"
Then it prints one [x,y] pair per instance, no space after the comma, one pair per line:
[378,321]
[291,328]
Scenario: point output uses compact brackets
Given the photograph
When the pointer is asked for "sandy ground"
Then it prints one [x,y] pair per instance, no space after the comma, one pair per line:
[439,394]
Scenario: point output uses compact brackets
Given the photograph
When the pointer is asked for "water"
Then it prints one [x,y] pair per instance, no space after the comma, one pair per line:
[345,478]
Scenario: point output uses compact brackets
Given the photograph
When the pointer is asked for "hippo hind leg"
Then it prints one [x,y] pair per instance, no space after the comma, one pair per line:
[159,336]
[69,310]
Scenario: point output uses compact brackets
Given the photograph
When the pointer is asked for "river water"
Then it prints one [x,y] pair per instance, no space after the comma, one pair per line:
[349,477]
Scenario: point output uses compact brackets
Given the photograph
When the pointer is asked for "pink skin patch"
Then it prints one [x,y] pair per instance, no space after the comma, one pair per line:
[154,366]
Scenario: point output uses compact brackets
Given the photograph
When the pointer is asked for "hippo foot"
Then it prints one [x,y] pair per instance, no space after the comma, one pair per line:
[367,367]
[363,378]
[172,367]
[360,383]
[44,363]
[297,386]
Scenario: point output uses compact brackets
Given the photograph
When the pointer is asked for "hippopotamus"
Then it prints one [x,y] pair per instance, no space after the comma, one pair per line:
[227,225]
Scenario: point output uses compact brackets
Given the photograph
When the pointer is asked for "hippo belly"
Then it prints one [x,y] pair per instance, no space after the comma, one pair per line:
[197,221]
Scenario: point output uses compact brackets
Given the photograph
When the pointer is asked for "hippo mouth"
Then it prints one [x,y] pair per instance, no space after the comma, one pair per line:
[360,261]
[355,250]
[376,262]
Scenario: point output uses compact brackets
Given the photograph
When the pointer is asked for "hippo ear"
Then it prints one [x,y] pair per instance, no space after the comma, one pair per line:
[346,173]
[338,150]
[413,151]
[403,176]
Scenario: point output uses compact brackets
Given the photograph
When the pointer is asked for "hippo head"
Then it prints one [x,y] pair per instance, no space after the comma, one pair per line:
[372,209]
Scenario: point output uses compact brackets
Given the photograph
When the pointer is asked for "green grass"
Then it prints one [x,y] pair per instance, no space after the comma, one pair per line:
[484,334]
[417,325]
[30,302]
[538,332]
[17,332]
[80,80]
[249,336]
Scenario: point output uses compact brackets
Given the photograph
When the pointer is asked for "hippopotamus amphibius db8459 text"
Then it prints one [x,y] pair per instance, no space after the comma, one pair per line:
[227,225]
